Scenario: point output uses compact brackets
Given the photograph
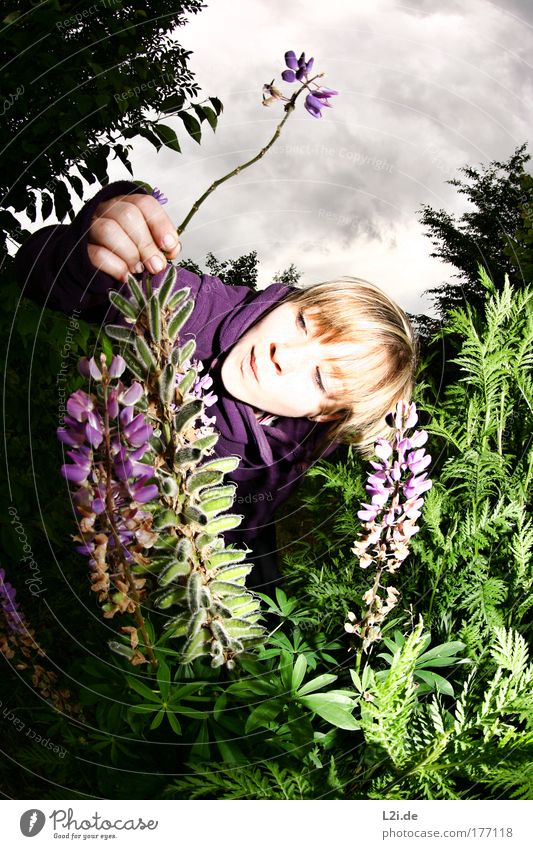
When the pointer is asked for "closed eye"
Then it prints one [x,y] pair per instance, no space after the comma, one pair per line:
[318,379]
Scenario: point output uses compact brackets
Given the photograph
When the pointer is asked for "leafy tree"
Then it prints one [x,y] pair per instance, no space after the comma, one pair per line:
[290,276]
[520,247]
[485,234]
[81,82]
[235,272]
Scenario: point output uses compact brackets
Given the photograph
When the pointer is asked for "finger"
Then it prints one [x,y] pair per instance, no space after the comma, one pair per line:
[162,229]
[174,252]
[133,227]
[109,233]
[107,261]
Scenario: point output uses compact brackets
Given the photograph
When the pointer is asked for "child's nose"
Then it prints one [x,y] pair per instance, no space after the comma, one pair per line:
[288,358]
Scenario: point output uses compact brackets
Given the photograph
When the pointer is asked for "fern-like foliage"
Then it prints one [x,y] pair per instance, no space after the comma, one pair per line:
[436,752]
[266,780]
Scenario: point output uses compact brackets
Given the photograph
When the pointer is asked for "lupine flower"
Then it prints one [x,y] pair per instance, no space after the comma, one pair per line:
[10,609]
[159,196]
[110,506]
[395,488]
[317,100]
[298,69]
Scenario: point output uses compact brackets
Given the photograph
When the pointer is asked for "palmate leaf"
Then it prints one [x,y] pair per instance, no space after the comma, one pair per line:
[334,708]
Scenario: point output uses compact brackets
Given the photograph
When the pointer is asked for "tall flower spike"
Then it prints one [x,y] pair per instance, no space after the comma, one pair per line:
[395,486]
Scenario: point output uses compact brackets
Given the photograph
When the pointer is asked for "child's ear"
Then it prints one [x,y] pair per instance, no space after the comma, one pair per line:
[327,417]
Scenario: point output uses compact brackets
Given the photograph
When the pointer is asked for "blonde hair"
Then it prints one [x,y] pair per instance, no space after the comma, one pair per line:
[378,368]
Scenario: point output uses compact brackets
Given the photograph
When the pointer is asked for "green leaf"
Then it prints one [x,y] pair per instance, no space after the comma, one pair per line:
[186,351]
[124,306]
[200,748]
[298,673]
[191,125]
[165,289]
[223,523]
[158,719]
[285,669]
[173,722]
[154,318]
[145,708]
[62,203]
[444,650]
[179,296]
[222,464]
[434,681]
[163,677]
[187,381]
[120,333]
[141,689]
[173,571]
[263,715]
[143,351]
[235,573]
[316,684]
[167,136]
[178,320]
[172,103]
[167,384]
[211,117]
[335,709]
[217,105]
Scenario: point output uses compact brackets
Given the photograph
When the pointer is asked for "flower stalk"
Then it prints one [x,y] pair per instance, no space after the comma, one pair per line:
[398,478]
[316,99]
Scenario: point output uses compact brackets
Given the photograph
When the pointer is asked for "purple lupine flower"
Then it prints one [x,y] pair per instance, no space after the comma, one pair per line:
[315,101]
[12,614]
[159,196]
[201,384]
[298,69]
[395,488]
[79,405]
[109,496]
[132,395]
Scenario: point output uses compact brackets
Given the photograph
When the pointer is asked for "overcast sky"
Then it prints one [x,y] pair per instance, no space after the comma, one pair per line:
[425,87]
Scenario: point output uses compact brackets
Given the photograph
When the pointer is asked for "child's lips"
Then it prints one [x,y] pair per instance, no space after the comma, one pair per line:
[253,364]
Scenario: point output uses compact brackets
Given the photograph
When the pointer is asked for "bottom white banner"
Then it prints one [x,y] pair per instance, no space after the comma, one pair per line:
[232,825]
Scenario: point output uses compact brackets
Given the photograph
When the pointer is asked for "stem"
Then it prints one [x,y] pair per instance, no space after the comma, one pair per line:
[288,109]
[118,544]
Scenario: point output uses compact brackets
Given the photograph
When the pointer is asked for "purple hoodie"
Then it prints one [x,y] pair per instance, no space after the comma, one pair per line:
[54,269]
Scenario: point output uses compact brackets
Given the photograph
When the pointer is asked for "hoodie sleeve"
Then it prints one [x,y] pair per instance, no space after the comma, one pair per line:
[53,266]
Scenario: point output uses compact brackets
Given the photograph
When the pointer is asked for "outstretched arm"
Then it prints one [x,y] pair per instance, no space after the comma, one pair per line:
[72,266]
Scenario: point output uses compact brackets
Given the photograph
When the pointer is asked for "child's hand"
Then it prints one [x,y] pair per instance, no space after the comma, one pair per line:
[128,230]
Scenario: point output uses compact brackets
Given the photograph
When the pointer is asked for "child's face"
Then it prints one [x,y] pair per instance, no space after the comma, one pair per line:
[286,359]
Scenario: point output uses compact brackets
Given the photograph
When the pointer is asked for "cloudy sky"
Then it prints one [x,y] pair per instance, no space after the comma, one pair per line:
[425,87]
